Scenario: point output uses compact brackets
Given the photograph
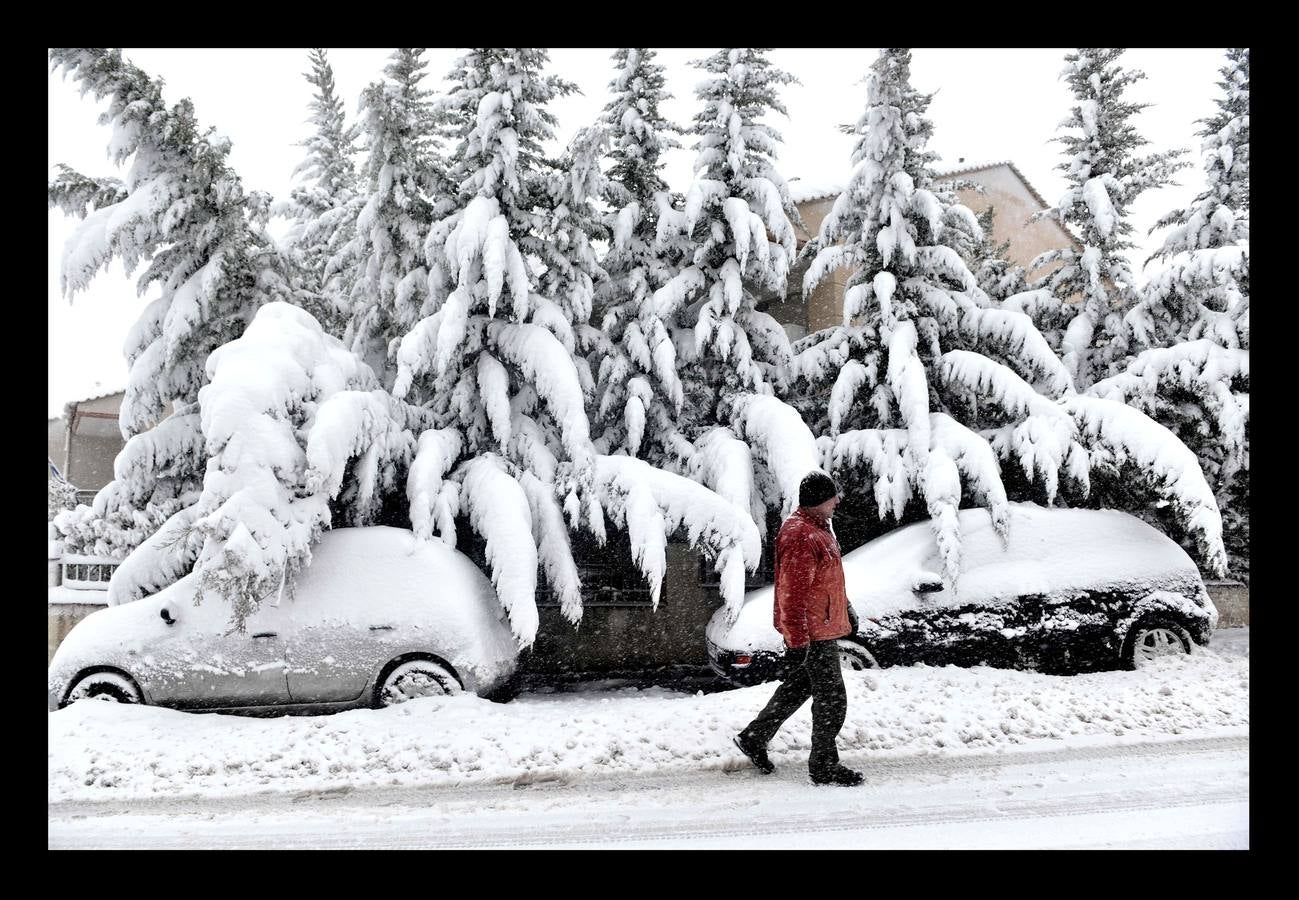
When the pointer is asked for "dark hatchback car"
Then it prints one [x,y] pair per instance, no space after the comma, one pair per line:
[1070,590]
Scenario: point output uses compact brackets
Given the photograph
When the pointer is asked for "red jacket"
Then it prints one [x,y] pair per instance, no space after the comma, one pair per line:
[811,598]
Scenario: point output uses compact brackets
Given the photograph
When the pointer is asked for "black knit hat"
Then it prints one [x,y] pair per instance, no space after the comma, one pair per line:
[816,488]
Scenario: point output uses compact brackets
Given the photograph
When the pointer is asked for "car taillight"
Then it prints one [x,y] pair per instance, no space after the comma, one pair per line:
[742,660]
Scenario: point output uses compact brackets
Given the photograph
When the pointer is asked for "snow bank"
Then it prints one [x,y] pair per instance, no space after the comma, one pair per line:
[100,751]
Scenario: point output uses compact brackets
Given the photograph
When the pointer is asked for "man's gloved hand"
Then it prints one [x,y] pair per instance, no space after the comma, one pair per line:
[852,618]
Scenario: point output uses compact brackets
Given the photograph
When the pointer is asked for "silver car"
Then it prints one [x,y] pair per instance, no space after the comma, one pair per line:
[376,618]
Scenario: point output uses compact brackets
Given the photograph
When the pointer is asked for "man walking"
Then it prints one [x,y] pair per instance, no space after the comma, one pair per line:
[811,612]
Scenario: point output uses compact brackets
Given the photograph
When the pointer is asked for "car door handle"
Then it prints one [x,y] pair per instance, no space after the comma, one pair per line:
[381,628]
[262,634]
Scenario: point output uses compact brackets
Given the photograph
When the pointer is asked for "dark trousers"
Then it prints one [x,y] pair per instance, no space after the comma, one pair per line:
[820,678]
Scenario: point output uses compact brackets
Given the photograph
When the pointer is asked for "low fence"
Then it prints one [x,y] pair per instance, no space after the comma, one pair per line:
[86,573]
[77,586]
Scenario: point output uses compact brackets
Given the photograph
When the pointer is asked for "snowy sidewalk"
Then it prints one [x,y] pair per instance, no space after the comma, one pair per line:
[104,752]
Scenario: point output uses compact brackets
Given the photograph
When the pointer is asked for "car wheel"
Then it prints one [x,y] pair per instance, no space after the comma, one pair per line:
[1151,639]
[111,687]
[413,679]
[856,658]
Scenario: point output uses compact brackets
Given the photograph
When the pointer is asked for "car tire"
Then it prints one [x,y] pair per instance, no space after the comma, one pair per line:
[1153,637]
[854,657]
[110,687]
[411,679]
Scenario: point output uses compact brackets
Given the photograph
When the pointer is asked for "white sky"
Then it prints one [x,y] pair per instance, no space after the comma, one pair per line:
[991,105]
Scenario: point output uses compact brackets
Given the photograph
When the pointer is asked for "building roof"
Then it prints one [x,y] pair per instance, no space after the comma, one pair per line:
[99,391]
[806,191]
[964,168]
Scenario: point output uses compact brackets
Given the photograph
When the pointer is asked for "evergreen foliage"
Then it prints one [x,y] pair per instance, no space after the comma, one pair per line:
[455,350]
[183,212]
[1190,332]
[390,284]
[325,204]
[735,240]
[1106,176]
[638,393]
[929,387]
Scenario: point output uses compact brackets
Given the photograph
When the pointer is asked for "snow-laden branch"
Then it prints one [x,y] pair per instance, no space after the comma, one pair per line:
[499,511]
[633,491]
[906,378]
[345,425]
[264,502]
[782,440]
[433,500]
[977,462]
[173,447]
[551,536]
[1202,369]
[161,560]
[1126,434]
[851,378]
[883,453]
[548,367]
[1015,334]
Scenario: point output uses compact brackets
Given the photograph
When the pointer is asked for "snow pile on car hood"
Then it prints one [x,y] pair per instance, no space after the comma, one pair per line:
[106,751]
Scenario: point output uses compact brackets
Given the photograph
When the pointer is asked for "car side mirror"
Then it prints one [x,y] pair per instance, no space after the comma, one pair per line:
[167,616]
[927,583]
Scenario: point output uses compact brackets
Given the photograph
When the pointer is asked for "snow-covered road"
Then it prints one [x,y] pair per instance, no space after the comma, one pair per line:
[1183,793]
[954,758]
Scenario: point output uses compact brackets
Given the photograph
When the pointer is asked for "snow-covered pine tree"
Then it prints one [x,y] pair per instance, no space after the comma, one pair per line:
[184,212]
[748,445]
[927,385]
[325,204]
[572,271]
[1191,329]
[510,436]
[403,183]
[638,393]
[1203,291]
[288,412]
[1106,177]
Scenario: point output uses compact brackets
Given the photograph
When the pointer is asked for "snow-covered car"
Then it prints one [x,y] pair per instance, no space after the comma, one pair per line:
[1070,590]
[377,617]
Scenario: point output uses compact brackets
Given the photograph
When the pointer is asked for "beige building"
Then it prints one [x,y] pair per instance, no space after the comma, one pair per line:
[1004,187]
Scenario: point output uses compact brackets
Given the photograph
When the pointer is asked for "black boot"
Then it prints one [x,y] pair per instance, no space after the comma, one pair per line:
[757,755]
[837,774]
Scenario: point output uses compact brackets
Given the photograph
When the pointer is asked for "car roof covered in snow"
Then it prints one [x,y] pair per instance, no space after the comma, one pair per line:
[1048,551]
